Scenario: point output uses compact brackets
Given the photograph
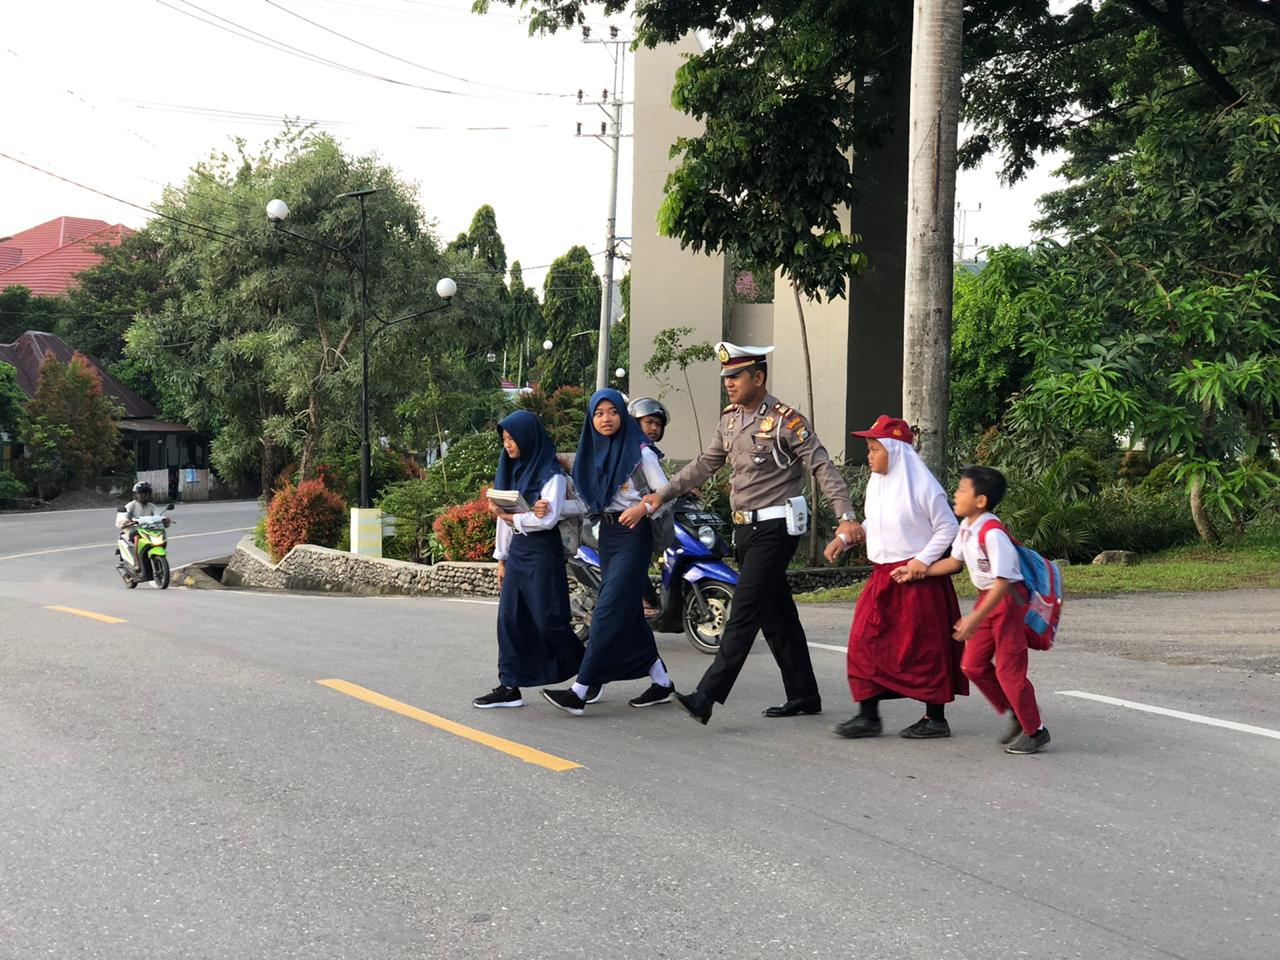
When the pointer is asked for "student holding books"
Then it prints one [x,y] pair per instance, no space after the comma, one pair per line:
[536,645]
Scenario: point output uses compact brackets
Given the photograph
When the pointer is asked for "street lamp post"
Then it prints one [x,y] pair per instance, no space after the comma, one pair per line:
[277,213]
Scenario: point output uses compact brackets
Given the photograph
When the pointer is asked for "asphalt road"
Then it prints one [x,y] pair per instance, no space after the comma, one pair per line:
[180,784]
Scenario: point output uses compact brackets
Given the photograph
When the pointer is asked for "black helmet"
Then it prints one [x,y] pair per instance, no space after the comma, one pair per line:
[142,487]
[648,407]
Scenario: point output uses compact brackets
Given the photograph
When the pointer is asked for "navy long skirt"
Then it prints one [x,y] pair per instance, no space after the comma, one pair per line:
[621,645]
[536,646]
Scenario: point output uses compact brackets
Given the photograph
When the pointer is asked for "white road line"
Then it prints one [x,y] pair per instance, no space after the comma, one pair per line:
[829,646]
[103,546]
[1178,714]
[487,603]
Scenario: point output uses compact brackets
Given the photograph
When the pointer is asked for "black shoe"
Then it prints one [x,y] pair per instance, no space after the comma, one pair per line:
[926,729]
[499,696]
[795,708]
[595,694]
[696,705]
[857,727]
[1014,731]
[1032,744]
[565,700]
[655,695]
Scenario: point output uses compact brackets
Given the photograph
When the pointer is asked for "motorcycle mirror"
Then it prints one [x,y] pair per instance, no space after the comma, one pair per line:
[169,507]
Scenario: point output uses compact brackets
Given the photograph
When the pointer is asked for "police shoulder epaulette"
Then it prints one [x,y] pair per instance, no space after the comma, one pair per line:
[783,409]
[729,409]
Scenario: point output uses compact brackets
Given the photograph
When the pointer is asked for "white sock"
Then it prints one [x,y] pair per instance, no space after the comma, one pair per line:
[658,673]
[580,690]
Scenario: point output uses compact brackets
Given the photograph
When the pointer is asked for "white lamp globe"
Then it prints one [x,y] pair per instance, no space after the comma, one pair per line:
[446,288]
[278,211]
[620,373]
[547,344]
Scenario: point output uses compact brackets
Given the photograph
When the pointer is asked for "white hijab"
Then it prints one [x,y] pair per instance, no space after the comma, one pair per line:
[907,512]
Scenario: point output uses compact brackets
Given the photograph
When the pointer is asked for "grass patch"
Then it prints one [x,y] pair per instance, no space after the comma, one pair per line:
[1252,561]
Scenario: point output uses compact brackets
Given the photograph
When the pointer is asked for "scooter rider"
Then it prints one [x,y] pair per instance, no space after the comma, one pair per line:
[140,506]
[653,419]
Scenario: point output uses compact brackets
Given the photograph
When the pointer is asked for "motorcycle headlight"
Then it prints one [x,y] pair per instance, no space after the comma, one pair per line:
[707,537]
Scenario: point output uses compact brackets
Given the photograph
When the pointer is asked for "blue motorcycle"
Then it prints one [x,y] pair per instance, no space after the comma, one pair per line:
[696,588]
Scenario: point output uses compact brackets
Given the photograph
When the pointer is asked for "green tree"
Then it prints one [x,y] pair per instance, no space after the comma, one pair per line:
[570,313]
[12,401]
[1156,317]
[260,343]
[21,310]
[70,432]
[670,350]
[523,327]
[988,365]
[486,243]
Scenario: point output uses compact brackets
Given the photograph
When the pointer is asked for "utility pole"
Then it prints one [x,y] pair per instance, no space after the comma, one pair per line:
[935,115]
[962,220]
[611,137]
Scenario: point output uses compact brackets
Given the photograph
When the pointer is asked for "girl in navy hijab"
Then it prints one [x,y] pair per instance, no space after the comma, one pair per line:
[536,645]
[614,468]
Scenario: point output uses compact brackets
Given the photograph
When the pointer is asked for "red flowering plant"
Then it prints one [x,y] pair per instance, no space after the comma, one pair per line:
[466,531]
[307,513]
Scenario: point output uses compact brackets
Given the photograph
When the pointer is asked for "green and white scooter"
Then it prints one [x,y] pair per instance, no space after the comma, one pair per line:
[153,550]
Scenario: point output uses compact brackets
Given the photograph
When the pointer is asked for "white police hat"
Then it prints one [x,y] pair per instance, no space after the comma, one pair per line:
[734,358]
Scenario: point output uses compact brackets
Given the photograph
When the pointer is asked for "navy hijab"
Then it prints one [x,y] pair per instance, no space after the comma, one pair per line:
[537,462]
[604,464]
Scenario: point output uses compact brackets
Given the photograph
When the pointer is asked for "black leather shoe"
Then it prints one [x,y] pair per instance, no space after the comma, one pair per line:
[696,705]
[858,727]
[795,708]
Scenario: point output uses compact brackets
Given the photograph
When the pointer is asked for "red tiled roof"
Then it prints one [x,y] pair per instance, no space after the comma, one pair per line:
[54,271]
[37,241]
[27,353]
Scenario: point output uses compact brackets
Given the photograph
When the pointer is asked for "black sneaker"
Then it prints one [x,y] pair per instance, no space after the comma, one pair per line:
[499,696]
[926,729]
[1014,731]
[594,694]
[1029,744]
[857,727]
[655,695]
[565,700]
[696,705]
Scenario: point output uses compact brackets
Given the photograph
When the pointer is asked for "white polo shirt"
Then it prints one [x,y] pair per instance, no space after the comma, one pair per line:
[1000,561]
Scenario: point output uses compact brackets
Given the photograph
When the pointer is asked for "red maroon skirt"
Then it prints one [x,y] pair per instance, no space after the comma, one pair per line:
[900,641]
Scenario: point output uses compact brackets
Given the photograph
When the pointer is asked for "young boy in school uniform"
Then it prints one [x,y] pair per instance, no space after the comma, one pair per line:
[994,634]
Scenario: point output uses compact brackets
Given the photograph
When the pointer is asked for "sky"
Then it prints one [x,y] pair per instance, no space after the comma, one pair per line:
[124,97]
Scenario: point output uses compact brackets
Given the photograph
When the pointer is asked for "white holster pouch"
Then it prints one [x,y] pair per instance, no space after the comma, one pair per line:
[797,516]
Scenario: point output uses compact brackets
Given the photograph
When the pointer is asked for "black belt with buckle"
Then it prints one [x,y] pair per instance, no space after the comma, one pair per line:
[610,517]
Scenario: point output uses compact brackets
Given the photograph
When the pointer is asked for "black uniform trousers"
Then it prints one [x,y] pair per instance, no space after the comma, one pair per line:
[762,602]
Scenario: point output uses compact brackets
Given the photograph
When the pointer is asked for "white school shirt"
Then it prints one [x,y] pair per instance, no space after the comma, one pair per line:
[628,496]
[553,492]
[999,562]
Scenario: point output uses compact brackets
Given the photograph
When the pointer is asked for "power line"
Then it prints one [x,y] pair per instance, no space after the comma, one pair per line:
[440,73]
[254,36]
[127,203]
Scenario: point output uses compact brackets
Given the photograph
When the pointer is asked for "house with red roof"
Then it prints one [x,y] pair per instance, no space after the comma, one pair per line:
[46,259]
[159,449]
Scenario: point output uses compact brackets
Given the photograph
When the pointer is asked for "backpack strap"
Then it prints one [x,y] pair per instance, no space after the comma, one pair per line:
[992,524]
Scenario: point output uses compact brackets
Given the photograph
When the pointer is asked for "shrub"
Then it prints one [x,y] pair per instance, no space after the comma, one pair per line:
[307,513]
[466,531]
[1123,520]
[11,488]
[561,412]
[341,473]
[468,465]
[415,504]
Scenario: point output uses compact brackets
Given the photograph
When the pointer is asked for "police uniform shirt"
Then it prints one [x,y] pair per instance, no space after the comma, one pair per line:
[769,449]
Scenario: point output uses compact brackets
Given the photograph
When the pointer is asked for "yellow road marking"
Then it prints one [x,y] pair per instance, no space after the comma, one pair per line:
[518,750]
[100,617]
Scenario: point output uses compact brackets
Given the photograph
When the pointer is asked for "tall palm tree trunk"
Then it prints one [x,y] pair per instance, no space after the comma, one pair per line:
[935,114]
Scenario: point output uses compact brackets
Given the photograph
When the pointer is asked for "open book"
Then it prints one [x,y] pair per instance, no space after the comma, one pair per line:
[509,500]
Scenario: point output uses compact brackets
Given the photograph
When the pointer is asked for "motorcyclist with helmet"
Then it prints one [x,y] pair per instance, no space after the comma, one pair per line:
[652,417]
[140,506]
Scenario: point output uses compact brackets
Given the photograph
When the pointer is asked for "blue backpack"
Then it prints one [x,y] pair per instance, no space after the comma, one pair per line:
[1043,581]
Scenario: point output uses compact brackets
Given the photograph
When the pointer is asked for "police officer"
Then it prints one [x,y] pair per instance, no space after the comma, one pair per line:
[769,447]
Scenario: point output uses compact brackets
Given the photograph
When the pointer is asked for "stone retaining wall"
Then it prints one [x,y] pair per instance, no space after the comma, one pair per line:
[321,570]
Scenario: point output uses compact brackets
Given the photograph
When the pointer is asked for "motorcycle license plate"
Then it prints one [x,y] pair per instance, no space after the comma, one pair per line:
[705,516]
